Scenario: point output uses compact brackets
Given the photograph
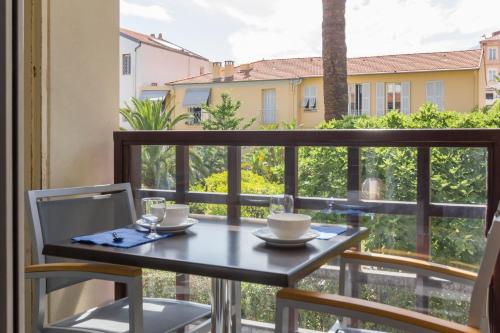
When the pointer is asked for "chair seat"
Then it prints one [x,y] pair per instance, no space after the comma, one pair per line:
[160,316]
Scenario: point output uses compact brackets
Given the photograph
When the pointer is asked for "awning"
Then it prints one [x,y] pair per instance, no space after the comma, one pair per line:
[155,95]
[195,97]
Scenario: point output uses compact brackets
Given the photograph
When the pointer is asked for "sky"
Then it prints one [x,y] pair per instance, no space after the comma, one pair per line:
[251,30]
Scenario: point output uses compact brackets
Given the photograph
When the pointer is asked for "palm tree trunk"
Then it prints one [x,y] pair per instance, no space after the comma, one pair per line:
[334,59]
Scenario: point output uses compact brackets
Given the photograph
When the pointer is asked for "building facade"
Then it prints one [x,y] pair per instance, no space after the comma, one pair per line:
[286,90]
[491,47]
[151,61]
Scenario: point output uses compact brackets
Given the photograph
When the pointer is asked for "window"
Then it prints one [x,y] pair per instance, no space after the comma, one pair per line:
[202,70]
[490,96]
[435,93]
[492,75]
[356,99]
[195,116]
[393,96]
[310,99]
[492,53]
[126,64]
[269,106]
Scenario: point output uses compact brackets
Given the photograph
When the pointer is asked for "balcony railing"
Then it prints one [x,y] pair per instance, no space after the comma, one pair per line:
[127,167]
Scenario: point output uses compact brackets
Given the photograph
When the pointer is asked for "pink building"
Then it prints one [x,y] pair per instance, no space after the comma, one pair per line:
[491,54]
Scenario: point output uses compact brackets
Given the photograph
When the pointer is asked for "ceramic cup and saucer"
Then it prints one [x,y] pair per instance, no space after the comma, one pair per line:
[176,220]
[287,230]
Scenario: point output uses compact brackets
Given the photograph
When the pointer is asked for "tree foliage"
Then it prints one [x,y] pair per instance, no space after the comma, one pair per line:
[223,116]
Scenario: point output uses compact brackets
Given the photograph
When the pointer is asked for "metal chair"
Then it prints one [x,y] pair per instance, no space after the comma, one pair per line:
[59,214]
[407,320]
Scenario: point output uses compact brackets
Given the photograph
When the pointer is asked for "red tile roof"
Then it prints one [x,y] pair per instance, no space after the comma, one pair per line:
[159,43]
[277,69]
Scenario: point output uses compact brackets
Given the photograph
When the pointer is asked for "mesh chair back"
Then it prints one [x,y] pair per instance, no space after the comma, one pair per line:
[78,212]
[486,269]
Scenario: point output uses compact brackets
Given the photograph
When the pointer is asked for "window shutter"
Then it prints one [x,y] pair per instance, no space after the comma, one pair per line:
[405,97]
[439,95]
[348,99]
[429,92]
[380,98]
[366,100]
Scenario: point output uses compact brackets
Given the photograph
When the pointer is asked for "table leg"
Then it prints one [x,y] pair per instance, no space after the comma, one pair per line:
[226,316]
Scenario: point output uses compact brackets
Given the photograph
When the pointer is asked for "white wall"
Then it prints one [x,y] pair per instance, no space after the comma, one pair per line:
[155,65]
[160,66]
[82,106]
[127,82]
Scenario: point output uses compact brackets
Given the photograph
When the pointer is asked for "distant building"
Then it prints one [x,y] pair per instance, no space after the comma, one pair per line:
[491,49]
[283,90]
[151,61]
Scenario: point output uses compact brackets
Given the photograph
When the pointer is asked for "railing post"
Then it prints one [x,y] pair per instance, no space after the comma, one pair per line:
[353,180]
[181,173]
[291,171]
[423,219]
[121,158]
[181,189]
[353,188]
[233,184]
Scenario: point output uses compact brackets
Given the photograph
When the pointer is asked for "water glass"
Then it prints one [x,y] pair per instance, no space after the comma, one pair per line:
[281,204]
[153,212]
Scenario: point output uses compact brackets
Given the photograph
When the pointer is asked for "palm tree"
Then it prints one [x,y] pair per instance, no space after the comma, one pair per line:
[334,59]
[158,162]
[151,115]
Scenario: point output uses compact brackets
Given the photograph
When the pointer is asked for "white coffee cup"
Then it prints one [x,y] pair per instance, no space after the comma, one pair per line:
[176,214]
[289,225]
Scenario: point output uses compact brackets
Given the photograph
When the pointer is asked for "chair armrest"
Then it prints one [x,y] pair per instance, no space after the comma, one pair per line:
[410,263]
[126,271]
[373,309]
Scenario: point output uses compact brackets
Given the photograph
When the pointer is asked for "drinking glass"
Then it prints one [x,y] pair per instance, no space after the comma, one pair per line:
[281,204]
[153,211]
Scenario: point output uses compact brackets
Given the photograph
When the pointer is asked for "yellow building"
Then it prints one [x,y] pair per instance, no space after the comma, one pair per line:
[284,90]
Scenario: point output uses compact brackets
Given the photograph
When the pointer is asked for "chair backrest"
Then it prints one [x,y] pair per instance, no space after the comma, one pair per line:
[485,273]
[59,214]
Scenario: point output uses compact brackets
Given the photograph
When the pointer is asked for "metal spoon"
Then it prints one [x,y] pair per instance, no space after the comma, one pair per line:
[116,238]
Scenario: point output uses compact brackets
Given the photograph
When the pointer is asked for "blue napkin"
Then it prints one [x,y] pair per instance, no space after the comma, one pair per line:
[131,238]
[328,232]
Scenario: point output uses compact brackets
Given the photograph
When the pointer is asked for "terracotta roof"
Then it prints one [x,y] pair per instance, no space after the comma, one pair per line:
[156,42]
[277,69]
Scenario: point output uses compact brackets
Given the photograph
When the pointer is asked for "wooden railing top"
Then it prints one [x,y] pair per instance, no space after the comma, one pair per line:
[338,137]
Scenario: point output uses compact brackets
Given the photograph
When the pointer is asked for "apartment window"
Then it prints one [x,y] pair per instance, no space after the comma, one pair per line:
[310,98]
[196,116]
[492,75]
[435,93]
[269,106]
[357,99]
[126,64]
[393,96]
[492,53]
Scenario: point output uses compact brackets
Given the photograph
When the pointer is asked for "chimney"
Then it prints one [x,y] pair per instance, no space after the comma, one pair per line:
[216,67]
[228,69]
[152,35]
[160,36]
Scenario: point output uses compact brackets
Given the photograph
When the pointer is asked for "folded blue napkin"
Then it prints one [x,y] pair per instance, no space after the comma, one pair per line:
[131,238]
[328,232]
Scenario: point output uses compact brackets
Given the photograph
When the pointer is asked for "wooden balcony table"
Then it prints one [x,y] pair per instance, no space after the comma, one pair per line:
[226,252]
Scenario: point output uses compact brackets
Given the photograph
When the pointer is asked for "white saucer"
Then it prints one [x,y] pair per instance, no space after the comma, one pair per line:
[271,239]
[144,226]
